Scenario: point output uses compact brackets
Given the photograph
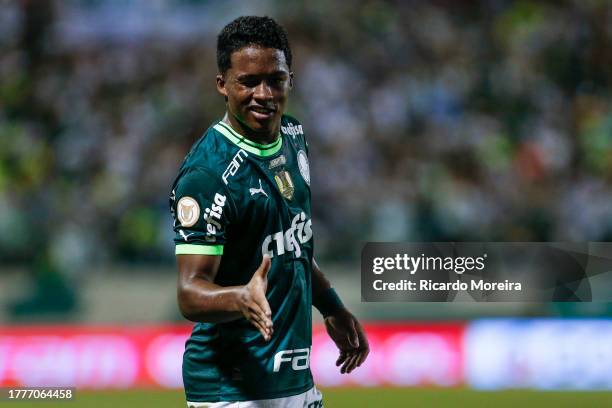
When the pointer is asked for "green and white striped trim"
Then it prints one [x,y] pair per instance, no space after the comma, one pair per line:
[190,249]
[248,145]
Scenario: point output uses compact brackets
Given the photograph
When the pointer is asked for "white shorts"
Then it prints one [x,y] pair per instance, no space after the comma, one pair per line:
[309,399]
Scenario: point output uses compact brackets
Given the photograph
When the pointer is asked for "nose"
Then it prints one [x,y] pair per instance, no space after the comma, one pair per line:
[263,92]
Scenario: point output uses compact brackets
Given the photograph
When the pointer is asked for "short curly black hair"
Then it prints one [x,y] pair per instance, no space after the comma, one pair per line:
[250,30]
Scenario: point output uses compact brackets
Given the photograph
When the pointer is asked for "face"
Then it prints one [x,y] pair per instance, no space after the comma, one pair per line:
[256,87]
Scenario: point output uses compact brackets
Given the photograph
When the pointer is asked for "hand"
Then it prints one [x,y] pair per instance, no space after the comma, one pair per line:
[253,303]
[347,333]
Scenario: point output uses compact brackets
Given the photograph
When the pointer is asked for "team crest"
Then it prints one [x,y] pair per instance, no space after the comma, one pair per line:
[302,160]
[285,184]
[188,211]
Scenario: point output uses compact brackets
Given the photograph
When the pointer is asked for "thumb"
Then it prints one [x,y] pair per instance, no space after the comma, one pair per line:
[353,339]
[263,269]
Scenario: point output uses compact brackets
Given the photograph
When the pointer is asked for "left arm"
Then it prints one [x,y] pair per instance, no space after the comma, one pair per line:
[319,282]
[343,328]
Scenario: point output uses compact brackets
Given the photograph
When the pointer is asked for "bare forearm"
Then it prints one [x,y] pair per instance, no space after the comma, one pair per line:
[319,282]
[324,297]
[203,301]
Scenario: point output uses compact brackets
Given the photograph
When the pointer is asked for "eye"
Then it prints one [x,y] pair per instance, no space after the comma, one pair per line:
[276,82]
[249,82]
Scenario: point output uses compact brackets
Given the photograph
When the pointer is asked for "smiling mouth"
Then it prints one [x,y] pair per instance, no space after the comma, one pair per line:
[262,110]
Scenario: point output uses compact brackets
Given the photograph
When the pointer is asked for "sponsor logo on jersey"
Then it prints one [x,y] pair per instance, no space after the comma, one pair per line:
[303,165]
[299,359]
[212,216]
[300,232]
[234,165]
[259,190]
[292,129]
[188,211]
[279,161]
[285,184]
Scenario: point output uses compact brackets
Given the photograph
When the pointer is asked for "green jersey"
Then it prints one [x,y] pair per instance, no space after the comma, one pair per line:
[239,199]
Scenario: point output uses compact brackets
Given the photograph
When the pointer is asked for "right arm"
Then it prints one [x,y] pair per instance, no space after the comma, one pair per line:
[199,245]
[201,300]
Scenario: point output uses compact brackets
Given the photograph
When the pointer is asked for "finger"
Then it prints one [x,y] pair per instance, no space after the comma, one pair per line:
[363,339]
[263,304]
[263,269]
[350,364]
[255,317]
[262,329]
[341,358]
[347,364]
[260,315]
[362,356]
[364,346]
[353,363]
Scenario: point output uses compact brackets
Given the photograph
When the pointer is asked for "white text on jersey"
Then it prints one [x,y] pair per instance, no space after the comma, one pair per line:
[299,358]
[292,129]
[212,215]
[234,165]
[299,233]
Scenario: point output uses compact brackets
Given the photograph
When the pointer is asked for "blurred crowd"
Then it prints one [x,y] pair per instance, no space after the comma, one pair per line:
[438,120]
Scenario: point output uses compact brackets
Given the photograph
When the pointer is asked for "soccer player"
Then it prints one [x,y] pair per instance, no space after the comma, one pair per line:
[244,240]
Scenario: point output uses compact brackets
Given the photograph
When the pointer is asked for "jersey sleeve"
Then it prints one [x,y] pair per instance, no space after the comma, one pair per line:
[200,207]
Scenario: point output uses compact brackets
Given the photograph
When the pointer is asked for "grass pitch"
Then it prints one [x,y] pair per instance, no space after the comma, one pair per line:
[351,397]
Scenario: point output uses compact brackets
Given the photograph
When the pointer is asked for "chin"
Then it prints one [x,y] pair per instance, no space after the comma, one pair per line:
[262,127]
[257,127]
[265,129]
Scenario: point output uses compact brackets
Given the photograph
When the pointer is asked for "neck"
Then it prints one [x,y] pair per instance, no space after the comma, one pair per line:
[258,137]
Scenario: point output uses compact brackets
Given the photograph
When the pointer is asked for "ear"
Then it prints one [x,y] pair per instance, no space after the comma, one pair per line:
[290,80]
[221,85]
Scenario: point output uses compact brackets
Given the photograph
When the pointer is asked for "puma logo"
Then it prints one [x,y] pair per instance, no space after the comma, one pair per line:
[254,191]
[185,236]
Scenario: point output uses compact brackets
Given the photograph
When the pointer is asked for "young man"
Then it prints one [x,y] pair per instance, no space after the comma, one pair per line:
[244,240]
